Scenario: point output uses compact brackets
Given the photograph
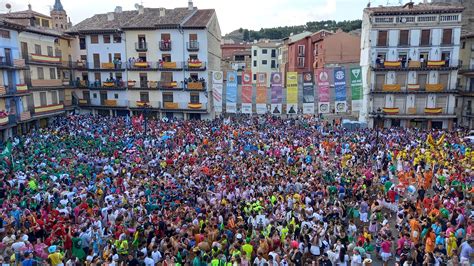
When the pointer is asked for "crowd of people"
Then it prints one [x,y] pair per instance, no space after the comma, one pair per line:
[243,191]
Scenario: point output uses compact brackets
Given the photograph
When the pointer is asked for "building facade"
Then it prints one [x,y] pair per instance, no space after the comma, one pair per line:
[467,14]
[41,79]
[236,57]
[409,60]
[466,82]
[264,58]
[153,58]
[13,90]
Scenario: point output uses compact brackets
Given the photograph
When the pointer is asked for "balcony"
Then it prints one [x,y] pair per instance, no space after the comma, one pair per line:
[391,88]
[141,46]
[192,46]
[391,111]
[107,66]
[184,106]
[195,64]
[48,108]
[46,83]
[168,85]
[162,65]
[434,87]
[196,85]
[467,70]
[110,103]
[25,116]
[411,112]
[142,104]
[84,102]
[116,85]
[443,65]
[433,111]
[4,120]
[165,45]
[15,64]
[79,64]
[144,84]
[44,59]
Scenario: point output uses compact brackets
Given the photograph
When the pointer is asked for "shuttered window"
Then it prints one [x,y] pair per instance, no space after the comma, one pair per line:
[402,79]
[420,104]
[403,40]
[422,80]
[382,38]
[441,101]
[443,79]
[379,81]
[400,103]
[425,37]
[447,36]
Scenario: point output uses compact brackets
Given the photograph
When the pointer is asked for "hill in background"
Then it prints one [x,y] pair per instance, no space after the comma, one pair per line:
[245,35]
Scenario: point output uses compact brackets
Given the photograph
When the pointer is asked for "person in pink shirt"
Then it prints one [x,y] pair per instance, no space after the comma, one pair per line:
[385,251]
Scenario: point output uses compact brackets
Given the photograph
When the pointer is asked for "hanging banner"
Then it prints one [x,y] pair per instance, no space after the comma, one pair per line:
[247,92]
[291,92]
[356,88]
[308,93]
[323,87]
[340,89]
[277,93]
[231,93]
[217,80]
[261,99]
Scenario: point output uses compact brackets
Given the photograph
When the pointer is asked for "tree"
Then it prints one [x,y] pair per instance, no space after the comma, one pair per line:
[246,35]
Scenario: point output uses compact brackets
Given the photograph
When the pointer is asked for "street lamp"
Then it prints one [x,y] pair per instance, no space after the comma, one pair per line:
[145,109]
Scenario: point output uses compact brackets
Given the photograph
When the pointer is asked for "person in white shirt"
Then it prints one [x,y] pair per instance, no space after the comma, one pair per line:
[259,260]
[156,255]
[149,261]
[356,259]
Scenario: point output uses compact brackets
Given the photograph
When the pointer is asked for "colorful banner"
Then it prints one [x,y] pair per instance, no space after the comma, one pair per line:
[308,93]
[247,92]
[340,89]
[323,87]
[356,88]
[261,99]
[277,93]
[292,92]
[231,92]
[217,81]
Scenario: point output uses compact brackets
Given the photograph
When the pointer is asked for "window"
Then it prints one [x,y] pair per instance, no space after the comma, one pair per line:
[273,65]
[106,38]
[43,101]
[45,23]
[401,79]
[382,38]
[193,37]
[95,95]
[447,36]
[425,37]
[94,38]
[82,43]
[463,45]
[379,81]
[254,77]
[50,51]
[54,97]
[167,76]
[300,62]
[166,57]
[422,80]
[254,52]
[117,56]
[52,73]
[239,58]
[194,97]
[144,97]
[117,38]
[273,52]
[264,51]
[427,19]
[116,95]
[168,97]
[5,34]
[443,79]
[40,73]
[403,40]
[264,62]
[301,50]
[37,49]
[255,63]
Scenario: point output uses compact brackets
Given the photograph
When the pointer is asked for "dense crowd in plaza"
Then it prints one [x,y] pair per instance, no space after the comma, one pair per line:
[243,191]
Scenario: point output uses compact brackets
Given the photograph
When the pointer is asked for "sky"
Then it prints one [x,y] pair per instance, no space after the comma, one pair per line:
[232,15]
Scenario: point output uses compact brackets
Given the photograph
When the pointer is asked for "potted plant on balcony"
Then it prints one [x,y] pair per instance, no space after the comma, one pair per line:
[131,83]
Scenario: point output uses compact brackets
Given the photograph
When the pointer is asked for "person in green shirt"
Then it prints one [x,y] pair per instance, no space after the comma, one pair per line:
[248,249]
[77,250]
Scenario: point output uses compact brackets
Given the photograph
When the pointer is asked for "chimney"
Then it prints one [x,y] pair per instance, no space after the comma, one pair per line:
[190,5]
[110,16]
[118,9]
[141,10]
[162,11]
[29,6]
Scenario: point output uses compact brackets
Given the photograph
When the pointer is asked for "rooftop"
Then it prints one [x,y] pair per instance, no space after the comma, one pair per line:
[267,44]
[150,18]
[414,9]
